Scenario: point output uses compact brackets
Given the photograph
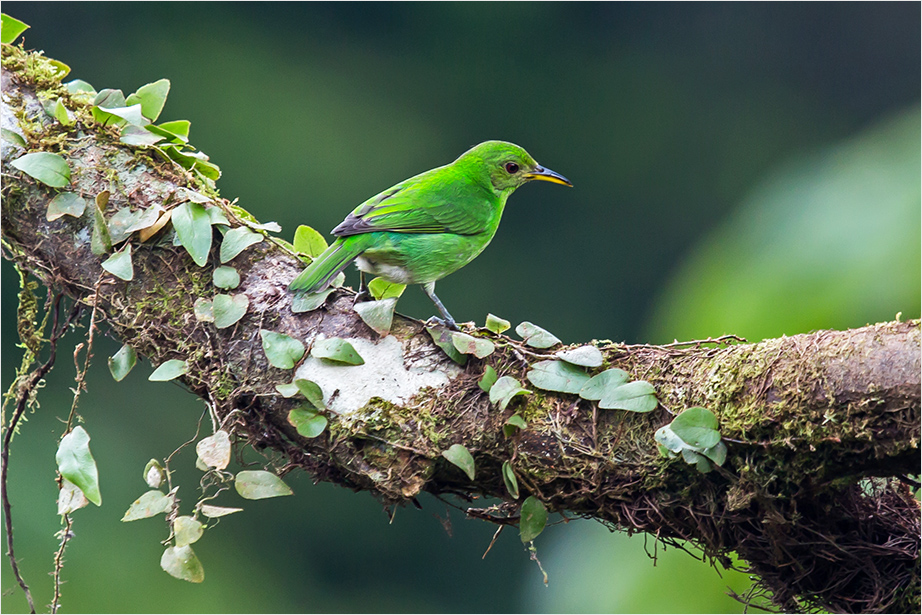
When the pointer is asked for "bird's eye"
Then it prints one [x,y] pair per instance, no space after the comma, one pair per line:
[511,168]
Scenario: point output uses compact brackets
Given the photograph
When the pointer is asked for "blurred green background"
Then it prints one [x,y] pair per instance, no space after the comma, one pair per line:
[738,168]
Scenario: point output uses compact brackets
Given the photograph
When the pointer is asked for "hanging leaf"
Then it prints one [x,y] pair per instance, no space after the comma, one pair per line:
[379,315]
[308,241]
[225,277]
[468,344]
[308,302]
[488,379]
[50,169]
[122,362]
[307,421]
[213,512]
[76,463]
[152,503]
[151,97]
[533,519]
[168,370]
[215,450]
[70,498]
[182,563]
[504,390]
[512,484]
[535,336]
[336,349]
[584,356]
[120,265]
[557,376]
[228,309]
[154,474]
[281,350]
[187,530]
[10,29]
[193,227]
[236,241]
[259,484]
[461,457]
[442,339]
[381,289]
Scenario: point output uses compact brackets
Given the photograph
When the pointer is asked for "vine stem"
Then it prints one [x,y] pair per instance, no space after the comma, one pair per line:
[59,563]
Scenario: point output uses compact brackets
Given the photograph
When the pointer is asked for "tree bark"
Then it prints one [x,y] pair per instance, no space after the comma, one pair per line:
[820,427]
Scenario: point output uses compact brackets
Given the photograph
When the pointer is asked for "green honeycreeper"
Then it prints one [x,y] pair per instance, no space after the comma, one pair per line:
[428,226]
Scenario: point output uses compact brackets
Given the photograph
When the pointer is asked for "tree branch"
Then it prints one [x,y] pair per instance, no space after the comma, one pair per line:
[808,419]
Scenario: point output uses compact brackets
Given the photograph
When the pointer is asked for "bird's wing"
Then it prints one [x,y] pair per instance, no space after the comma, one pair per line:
[419,207]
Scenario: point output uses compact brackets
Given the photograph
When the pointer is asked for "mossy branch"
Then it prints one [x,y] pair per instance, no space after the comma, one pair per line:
[808,419]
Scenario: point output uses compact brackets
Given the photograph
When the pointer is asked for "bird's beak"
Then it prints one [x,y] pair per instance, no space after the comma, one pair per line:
[548,176]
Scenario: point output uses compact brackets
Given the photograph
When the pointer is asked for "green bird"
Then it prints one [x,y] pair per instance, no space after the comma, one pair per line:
[428,226]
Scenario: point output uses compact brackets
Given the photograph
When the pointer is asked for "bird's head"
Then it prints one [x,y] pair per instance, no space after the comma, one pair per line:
[505,166]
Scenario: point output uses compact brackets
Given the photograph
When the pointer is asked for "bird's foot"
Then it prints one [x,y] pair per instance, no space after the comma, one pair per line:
[448,323]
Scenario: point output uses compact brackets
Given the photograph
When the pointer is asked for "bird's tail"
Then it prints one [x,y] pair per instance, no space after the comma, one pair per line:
[320,273]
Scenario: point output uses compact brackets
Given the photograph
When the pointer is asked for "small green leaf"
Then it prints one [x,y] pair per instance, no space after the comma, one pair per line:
[584,356]
[108,98]
[557,376]
[504,390]
[12,137]
[79,86]
[513,423]
[10,29]
[281,350]
[535,336]
[468,344]
[203,310]
[382,289]
[182,563]
[228,309]
[142,219]
[336,349]
[120,265]
[461,457]
[225,277]
[599,384]
[151,97]
[302,302]
[307,421]
[76,463]
[193,227]
[215,450]
[236,241]
[138,136]
[716,453]
[213,512]
[123,220]
[101,240]
[50,169]
[177,129]
[637,396]
[496,324]
[308,241]
[697,427]
[60,113]
[379,315]
[309,389]
[154,474]
[151,503]
[122,362]
[216,215]
[187,530]
[512,484]
[259,484]
[289,389]
[533,519]
[489,378]
[61,69]
[65,204]
[442,338]
[131,115]
[168,370]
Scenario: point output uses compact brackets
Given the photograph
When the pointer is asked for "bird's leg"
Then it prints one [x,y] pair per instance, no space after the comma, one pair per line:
[363,294]
[447,320]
